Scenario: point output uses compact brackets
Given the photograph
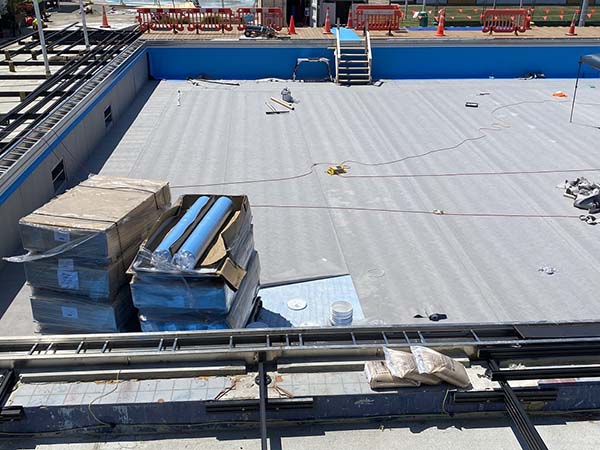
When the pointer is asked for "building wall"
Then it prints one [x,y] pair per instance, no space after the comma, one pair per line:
[74,146]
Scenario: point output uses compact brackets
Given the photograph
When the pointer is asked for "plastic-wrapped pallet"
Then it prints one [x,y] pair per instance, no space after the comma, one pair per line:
[58,313]
[220,290]
[243,304]
[190,294]
[80,245]
[99,219]
[97,281]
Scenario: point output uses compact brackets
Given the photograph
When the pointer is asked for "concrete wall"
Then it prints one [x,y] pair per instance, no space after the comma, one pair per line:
[73,147]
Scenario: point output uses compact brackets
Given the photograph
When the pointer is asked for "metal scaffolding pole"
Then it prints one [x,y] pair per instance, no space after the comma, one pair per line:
[582,14]
[84,25]
[40,27]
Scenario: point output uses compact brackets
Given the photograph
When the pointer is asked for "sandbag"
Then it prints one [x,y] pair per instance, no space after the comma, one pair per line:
[431,362]
[403,365]
[380,377]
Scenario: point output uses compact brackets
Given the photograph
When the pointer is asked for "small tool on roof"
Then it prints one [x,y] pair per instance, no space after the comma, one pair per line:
[337,170]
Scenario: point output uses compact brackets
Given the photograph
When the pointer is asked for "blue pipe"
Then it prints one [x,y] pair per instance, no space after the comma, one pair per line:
[205,232]
[162,254]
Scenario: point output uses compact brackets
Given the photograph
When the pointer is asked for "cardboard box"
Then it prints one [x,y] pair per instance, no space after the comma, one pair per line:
[219,262]
[57,312]
[243,304]
[96,220]
[94,280]
[151,291]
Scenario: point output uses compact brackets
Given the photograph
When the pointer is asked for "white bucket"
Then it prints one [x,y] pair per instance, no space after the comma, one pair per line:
[341,313]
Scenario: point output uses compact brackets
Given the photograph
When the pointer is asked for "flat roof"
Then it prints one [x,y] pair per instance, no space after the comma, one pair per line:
[413,149]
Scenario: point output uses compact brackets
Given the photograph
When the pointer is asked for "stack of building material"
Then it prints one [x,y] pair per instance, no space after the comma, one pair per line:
[80,245]
[198,270]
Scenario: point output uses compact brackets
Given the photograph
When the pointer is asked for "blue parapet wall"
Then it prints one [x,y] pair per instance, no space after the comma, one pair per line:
[389,62]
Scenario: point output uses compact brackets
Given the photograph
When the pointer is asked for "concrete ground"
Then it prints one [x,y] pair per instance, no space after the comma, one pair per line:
[450,435]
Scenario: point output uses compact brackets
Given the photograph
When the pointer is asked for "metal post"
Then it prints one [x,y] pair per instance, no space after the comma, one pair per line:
[575,92]
[84,25]
[263,396]
[583,12]
[405,9]
[40,25]
[520,4]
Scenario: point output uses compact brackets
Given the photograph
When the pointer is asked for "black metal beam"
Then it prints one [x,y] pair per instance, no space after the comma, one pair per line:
[522,425]
[543,373]
[31,62]
[496,396]
[263,399]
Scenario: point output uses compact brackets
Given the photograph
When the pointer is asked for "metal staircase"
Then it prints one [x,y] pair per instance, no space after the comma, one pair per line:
[353,61]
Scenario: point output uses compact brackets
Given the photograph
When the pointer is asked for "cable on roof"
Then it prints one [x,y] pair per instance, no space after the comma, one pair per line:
[495,126]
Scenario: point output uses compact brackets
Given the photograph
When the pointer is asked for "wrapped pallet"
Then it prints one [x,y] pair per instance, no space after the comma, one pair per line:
[178,319]
[59,313]
[80,245]
[99,219]
[198,268]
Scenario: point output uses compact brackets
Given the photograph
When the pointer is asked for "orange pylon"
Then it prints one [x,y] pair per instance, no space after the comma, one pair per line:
[104,18]
[327,23]
[572,27]
[350,24]
[441,23]
[292,27]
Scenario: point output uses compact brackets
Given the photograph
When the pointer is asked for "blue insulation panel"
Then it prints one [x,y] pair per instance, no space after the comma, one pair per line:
[318,295]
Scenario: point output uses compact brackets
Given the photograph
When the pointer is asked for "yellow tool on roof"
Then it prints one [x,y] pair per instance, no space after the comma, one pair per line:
[337,170]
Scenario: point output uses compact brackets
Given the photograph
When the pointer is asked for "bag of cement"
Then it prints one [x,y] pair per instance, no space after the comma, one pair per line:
[380,377]
[403,365]
[434,363]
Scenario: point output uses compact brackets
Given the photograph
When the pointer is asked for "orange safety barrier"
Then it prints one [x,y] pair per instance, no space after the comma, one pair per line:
[176,19]
[379,17]
[504,21]
[269,17]
[193,18]
[216,19]
[161,19]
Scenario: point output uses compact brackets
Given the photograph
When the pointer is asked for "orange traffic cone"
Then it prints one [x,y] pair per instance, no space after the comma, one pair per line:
[292,27]
[327,23]
[441,23]
[572,27]
[104,18]
[350,24]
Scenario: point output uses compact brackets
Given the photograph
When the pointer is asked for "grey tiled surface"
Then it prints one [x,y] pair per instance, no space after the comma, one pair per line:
[473,268]
[181,389]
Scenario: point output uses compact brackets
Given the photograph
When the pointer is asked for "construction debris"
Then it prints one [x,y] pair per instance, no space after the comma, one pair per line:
[283,103]
[585,194]
[286,95]
[273,110]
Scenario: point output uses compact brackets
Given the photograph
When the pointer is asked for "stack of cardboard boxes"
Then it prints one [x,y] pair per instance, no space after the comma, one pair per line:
[80,245]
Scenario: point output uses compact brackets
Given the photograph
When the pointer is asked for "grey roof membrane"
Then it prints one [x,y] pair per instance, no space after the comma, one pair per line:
[476,262]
